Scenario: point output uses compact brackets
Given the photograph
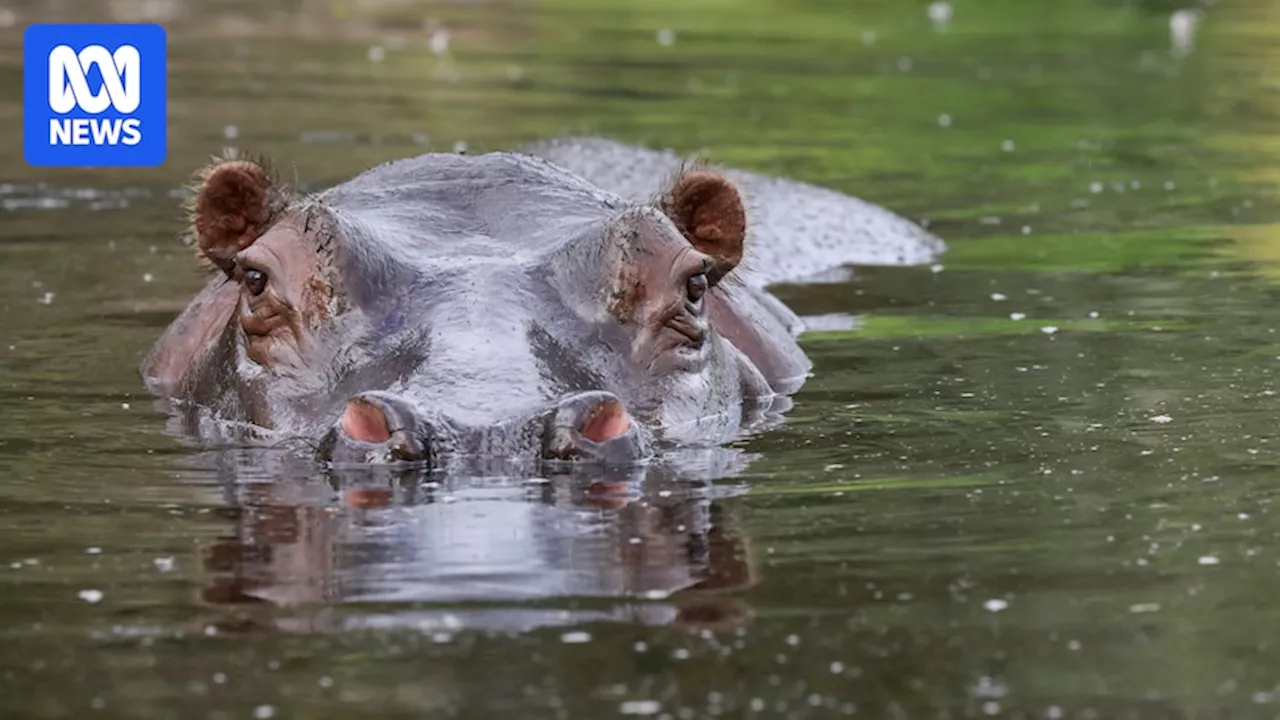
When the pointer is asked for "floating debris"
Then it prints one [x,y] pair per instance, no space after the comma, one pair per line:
[439,42]
[1182,31]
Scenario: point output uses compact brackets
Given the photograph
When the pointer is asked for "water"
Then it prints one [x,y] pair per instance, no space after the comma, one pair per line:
[1033,481]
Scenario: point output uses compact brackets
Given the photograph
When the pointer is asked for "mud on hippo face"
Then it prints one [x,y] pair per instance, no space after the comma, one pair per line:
[492,305]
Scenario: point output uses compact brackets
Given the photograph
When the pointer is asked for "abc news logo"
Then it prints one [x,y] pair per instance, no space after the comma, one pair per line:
[94,95]
[69,89]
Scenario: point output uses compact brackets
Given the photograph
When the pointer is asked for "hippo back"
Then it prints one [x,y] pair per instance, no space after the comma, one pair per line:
[796,230]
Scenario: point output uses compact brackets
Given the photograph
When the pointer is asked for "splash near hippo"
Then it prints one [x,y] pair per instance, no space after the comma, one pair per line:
[575,300]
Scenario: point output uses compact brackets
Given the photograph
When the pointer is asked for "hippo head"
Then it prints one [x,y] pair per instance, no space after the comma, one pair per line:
[493,305]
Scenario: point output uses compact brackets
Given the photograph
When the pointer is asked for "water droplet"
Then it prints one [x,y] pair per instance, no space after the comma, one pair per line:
[941,12]
[995,605]
[640,707]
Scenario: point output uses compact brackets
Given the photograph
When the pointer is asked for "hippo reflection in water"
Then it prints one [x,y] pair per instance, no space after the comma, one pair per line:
[653,543]
[580,299]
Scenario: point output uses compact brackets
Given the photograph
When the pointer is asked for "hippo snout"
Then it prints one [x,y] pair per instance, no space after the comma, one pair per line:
[382,428]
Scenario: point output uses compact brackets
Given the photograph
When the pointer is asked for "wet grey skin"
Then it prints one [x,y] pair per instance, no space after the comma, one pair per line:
[505,305]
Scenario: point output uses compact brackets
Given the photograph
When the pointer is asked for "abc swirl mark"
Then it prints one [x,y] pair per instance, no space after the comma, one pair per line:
[120,90]
[94,95]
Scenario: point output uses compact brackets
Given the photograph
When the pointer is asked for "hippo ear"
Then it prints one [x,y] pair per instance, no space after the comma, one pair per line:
[235,203]
[709,211]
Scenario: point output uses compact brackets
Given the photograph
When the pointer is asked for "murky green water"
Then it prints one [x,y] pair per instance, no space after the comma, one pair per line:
[1036,480]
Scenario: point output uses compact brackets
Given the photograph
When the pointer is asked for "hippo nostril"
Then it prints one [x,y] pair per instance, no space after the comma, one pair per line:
[384,420]
[592,426]
[364,421]
[607,421]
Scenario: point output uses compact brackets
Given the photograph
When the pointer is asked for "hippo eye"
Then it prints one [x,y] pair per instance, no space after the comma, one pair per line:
[696,287]
[255,281]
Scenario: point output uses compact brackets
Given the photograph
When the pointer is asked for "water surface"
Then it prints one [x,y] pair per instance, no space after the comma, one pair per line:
[1033,480]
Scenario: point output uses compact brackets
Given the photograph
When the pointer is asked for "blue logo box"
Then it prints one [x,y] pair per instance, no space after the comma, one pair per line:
[94,95]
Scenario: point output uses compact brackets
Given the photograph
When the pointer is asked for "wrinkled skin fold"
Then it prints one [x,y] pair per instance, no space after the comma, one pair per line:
[494,305]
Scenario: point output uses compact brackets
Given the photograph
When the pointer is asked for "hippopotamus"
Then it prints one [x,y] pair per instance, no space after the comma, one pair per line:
[571,300]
